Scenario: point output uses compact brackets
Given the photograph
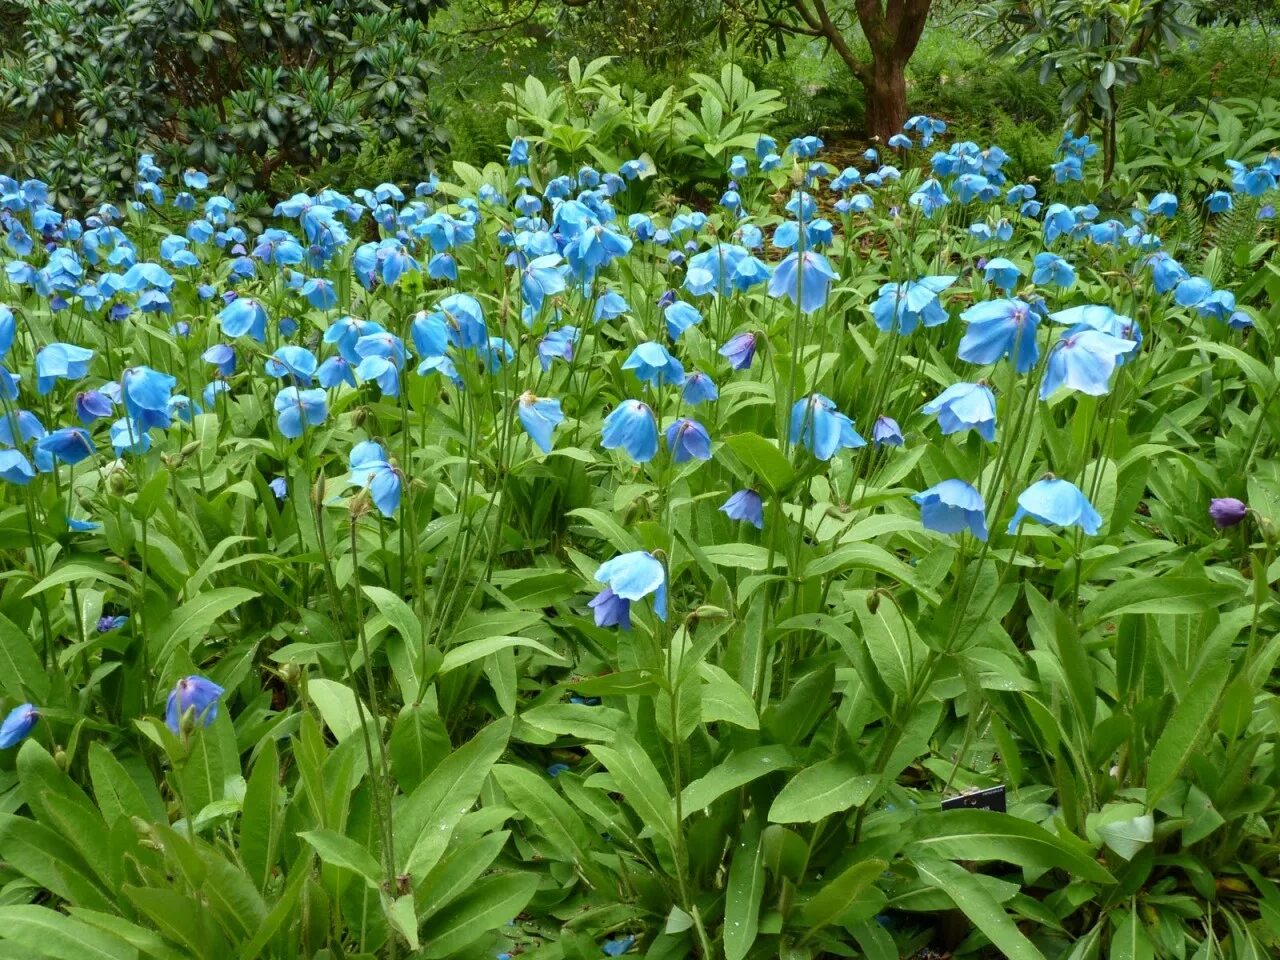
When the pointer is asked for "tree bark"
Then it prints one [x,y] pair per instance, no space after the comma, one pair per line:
[886,97]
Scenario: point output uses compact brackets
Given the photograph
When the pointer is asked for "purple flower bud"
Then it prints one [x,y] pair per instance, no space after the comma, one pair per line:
[1226,511]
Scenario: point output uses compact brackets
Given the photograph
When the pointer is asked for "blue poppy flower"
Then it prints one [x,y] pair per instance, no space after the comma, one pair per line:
[17,725]
[634,576]
[557,345]
[804,279]
[610,610]
[15,468]
[292,361]
[320,294]
[128,436]
[370,470]
[688,440]
[609,306]
[542,277]
[747,506]
[244,316]
[60,361]
[1219,202]
[1163,205]
[8,330]
[818,426]
[146,395]
[539,416]
[1166,272]
[699,388]
[1052,269]
[680,316]
[953,506]
[465,320]
[1056,502]
[298,409]
[1083,360]
[1191,291]
[903,306]
[518,154]
[1003,273]
[631,426]
[653,364]
[740,350]
[67,445]
[620,945]
[886,432]
[196,694]
[280,487]
[965,406]
[1000,328]
[929,197]
[26,423]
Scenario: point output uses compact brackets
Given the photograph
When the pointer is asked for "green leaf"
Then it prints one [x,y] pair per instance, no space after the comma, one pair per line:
[723,699]
[22,676]
[550,814]
[51,934]
[194,618]
[741,556]
[739,770]
[839,896]
[979,906]
[638,778]
[986,835]
[489,904]
[339,708]
[1163,595]
[476,649]
[1190,723]
[819,791]
[763,458]
[743,895]
[419,741]
[339,851]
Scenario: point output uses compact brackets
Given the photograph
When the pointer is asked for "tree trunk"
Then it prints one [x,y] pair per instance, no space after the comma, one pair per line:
[886,88]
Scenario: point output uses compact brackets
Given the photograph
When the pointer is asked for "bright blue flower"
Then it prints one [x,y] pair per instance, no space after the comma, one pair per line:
[28,426]
[518,155]
[280,487]
[1083,359]
[146,393]
[609,306]
[1191,291]
[465,320]
[631,426]
[8,330]
[633,576]
[740,350]
[1000,328]
[17,725]
[298,409]
[1219,202]
[680,316]
[370,470]
[542,277]
[334,371]
[1003,273]
[1220,305]
[15,468]
[129,437]
[1058,220]
[699,388]
[953,506]
[223,357]
[539,416]
[900,141]
[1166,272]
[620,945]
[886,432]
[60,361]
[557,345]
[738,166]
[965,406]
[292,361]
[242,316]
[610,610]
[196,694]
[1163,205]
[806,285]
[67,445]
[1056,503]
[383,371]
[902,306]
[745,505]
[320,294]
[817,425]
[688,440]
[653,364]
[1053,269]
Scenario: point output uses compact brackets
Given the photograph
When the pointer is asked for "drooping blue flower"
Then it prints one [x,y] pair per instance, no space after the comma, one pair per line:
[279,486]
[886,432]
[804,279]
[1083,360]
[680,316]
[298,409]
[542,277]
[557,345]
[129,437]
[19,427]
[634,576]
[904,306]
[66,445]
[1003,273]
[699,388]
[740,350]
[610,610]
[539,416]
[465,320]
[1219,202]
[17,725]
[196,694]
[745,505]
[620,945]
[1163,205]
[953,506]
[818,426]
[1191,291]
[965,406]
[609,306]
[1000,328]
[1056,503]
[653,364]
[60,361]
[1052,269]
[518,154]
[8,330]
[15,468]
[688,440]
[244,316]
[370,470]
[108,623]
[296,362]
[146,394]
[632,426]
[319,293]
[223,358]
